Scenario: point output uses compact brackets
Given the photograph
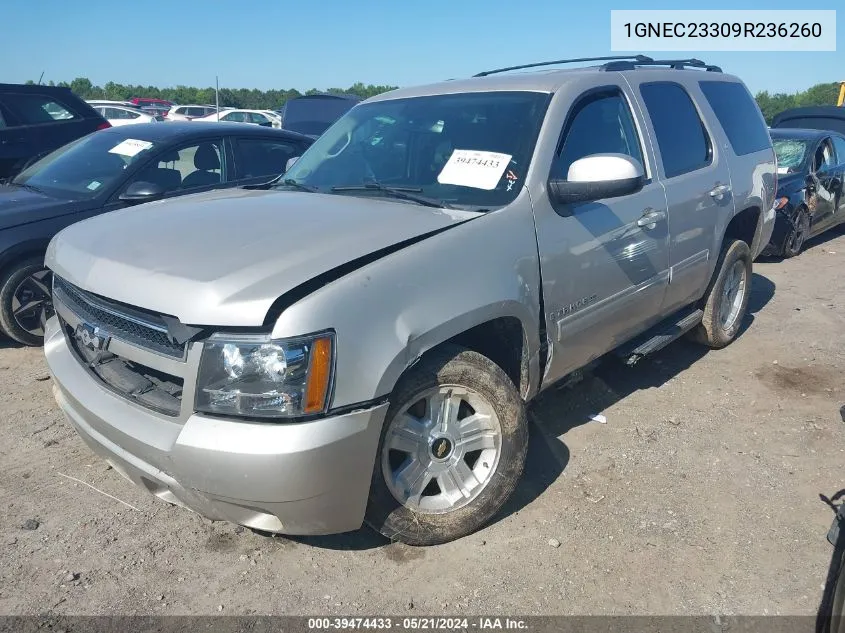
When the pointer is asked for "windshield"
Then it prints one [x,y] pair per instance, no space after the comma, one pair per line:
[466,150]
[85,167]
[790,153]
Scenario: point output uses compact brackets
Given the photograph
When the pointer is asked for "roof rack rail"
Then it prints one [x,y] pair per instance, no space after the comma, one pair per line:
[677,64]
[641,59]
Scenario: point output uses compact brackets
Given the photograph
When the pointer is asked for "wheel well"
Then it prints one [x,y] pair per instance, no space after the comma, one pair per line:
[503,341]
[15,258]
[743,226]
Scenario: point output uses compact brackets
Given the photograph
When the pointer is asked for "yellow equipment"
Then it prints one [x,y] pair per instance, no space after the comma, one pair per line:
[841,100]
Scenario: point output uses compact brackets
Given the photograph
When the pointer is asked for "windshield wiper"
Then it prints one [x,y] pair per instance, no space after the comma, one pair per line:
[24,185]
[402,193]
[290,182]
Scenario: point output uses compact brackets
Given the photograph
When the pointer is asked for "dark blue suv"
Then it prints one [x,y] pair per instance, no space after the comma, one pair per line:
[35,120]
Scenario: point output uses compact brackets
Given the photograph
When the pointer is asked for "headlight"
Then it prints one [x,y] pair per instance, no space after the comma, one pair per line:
[255,376]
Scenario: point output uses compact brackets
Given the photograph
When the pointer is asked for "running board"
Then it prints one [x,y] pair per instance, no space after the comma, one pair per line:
[660,335]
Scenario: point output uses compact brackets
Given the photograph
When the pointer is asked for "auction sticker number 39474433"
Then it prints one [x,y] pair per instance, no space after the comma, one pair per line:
[472,168]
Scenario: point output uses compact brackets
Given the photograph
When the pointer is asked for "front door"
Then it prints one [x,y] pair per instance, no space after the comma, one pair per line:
[823,190]
[604,263]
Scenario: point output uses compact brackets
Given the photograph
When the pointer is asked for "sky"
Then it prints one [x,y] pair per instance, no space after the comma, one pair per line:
[335,43]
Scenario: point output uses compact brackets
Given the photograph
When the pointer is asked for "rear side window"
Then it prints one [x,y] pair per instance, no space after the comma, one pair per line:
[264,157]
[738,114]
[33,109]
[683,141]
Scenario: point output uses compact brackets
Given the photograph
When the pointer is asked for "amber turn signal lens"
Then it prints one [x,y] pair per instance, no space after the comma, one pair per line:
[781,203]
[317,385]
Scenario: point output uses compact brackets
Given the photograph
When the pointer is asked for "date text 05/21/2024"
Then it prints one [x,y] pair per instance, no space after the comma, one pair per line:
[418,624]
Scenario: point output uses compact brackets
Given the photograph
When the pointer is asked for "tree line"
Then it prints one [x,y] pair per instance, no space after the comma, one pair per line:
[250,99]
[820,94]
[770,104]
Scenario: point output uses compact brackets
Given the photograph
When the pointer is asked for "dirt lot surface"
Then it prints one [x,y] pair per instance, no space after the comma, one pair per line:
[699,495]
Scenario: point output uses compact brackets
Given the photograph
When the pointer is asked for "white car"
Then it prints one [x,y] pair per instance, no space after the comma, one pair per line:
[189,112]
[124,115]
[109,102]
[256,117]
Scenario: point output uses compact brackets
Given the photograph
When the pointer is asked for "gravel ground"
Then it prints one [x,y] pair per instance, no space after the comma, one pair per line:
[699,495]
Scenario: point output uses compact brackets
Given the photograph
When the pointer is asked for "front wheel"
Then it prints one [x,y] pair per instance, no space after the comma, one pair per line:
[451,452]
[726,300]
[799,234]
[25,295]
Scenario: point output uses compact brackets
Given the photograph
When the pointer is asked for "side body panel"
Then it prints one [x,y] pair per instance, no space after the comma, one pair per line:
[388,313]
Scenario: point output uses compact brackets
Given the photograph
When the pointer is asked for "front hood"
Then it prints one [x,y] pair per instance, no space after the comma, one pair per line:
[222,258]
[22,206]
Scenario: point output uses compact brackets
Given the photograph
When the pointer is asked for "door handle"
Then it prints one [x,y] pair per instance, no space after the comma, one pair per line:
[651,217]
[719,191]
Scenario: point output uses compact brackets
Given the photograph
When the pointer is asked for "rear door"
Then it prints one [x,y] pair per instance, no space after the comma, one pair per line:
[695,174]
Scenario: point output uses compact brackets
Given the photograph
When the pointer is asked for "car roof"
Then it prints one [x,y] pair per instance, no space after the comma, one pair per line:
[800,133]
[32,88]
[545,80]
[184,130]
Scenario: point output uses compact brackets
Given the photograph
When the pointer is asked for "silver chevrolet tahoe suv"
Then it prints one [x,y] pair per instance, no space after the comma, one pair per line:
[358,341]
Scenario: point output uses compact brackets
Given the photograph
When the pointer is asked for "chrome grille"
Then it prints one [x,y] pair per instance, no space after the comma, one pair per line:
[148,387]
[144,329]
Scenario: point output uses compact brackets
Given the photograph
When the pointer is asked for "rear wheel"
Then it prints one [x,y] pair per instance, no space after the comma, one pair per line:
[726,300]
[799,234]
[25,295]
[451,452]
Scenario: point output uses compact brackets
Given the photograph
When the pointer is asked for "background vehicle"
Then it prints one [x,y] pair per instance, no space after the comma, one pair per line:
[149,101]
[811,172]
[110,170]
[101,102]
[812,117]
[35,120]
[189,112]
[257,117]
[118,115]
[437,258]
[313,114]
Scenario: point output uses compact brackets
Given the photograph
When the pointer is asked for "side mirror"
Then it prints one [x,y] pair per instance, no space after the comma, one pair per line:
[290,162]
[596,177]
[141,191]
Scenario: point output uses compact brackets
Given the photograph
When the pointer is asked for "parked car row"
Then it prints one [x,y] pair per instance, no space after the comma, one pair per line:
[354,332]
[110,170]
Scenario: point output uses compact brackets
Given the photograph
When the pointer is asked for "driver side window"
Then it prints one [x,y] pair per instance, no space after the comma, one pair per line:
[601,123]
[824,156]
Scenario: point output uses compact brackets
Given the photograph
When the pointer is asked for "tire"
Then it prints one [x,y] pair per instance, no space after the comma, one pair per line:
[486,411]
[721,323]
[796,239]
[25,282]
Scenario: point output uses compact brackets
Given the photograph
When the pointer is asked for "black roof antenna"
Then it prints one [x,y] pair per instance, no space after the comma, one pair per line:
[636,58]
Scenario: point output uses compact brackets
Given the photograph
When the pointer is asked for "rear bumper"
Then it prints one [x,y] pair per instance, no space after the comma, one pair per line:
[302,478]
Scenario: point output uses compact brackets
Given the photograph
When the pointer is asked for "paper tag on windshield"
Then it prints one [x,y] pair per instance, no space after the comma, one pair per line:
[130,147]
[471,168]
